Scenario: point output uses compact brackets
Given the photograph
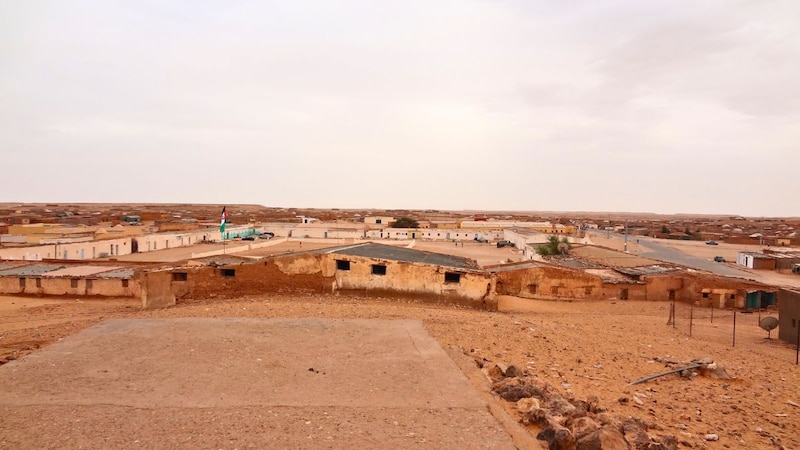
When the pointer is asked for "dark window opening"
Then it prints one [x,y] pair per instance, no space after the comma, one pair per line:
[378,269]
[623,295]
[534,288]
[88,284]
[452,277]
[672,294]
[38,282]
[124,283]
[22,283]
[180,276]
[378,221]
[554,289]
[705,294]
[228,272]
[73,283]
[587,290]
[733,296]
[342,264]
[794,323]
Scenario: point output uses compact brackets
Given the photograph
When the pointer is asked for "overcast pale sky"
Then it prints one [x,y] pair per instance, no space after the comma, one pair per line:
[601,105]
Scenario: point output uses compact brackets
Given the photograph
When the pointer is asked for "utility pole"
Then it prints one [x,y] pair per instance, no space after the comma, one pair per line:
[625,247]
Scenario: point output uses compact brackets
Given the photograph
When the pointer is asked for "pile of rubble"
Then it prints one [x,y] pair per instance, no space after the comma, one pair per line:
[568,423]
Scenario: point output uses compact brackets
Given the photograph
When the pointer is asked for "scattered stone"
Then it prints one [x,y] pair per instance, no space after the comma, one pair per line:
[11,357]
[527,404]
[791,403]
[582,426]
[513,371]
[558,438]
[638,401]
[712,437]
[623,399]
[514,389]
[603,439]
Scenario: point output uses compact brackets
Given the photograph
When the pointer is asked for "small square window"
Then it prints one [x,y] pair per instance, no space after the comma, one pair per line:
[342,264]
[378,269]
[587,290]
[554,289]
[228,272]
[179,276]
[733,296]
[705,294]
[452,277]
[124,283]
[38,282]
[73,283]
[88,284]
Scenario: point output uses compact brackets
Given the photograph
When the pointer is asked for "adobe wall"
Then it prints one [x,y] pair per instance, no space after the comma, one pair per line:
[549,283]
[658,287]
[299,273]
[70,286]
[157,290]
[423,281]
[717,289]
[788,315]
[624,291]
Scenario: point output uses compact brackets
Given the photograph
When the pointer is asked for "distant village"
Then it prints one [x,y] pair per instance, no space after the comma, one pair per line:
[52,250]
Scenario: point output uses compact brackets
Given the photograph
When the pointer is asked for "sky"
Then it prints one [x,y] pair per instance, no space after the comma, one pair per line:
[658,106]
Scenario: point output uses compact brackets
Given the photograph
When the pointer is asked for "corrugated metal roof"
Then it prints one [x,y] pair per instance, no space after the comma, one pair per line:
[79,271]
[9,265]
[29,271]
[645,270]
[119,273]
[379,251]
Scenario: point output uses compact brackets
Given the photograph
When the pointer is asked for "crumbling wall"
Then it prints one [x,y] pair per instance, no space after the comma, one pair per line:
[658,287]
[422,281]
[549,283]
[624,291]
[69,286]
[695,286]
[296,273]
[156,290]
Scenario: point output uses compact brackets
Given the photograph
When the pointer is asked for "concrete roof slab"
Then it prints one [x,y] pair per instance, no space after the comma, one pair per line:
[300,383]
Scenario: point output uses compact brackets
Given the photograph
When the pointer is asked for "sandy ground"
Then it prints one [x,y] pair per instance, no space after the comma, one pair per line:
[588,348]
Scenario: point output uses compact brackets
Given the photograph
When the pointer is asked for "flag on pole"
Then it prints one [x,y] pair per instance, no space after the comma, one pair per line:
[222,222]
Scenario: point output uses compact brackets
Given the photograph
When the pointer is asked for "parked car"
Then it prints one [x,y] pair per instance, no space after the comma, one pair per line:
[711,242]
[481,240]
[719,259]
[504,243]
[248,238]
[266,235]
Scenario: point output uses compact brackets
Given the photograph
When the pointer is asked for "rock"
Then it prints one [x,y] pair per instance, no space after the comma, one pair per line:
[558,438]
[527,404]
[513,371]
[637,400]
[536,417]
[494,372]
[791,403]
[582,426]
[594,404]
[716,372]
[503,368]
[514,389]
[603,439]
[712,437]
[623,399]
[559,406]
[11,357]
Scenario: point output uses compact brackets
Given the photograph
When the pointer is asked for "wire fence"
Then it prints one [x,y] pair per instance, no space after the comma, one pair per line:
[739,329]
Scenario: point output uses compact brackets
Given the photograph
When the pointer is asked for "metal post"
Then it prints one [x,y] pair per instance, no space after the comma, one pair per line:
[691,318]
[734,329]
[712,312]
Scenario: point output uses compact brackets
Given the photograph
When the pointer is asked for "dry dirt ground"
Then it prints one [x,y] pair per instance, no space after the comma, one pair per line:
[587,348]
[486,254]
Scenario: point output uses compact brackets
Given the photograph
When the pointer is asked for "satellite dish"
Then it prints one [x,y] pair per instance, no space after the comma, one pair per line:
[768,324]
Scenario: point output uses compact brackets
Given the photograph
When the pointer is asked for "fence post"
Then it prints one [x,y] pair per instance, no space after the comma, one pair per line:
[691,318]
[712,312]
[797,352]
[734,329]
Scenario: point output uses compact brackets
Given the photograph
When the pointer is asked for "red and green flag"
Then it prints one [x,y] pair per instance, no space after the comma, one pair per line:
[222,222]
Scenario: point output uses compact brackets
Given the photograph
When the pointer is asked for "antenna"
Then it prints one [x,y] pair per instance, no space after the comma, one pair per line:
[768,324]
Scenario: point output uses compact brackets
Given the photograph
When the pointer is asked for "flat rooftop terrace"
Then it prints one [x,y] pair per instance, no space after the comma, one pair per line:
[244,383]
